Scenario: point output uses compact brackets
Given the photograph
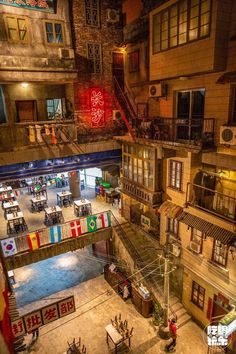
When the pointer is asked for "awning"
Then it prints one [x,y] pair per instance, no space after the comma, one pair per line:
[224,236]
[227,77]
[170,209]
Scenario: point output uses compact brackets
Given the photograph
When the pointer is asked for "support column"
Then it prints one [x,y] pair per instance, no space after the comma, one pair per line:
[74,183]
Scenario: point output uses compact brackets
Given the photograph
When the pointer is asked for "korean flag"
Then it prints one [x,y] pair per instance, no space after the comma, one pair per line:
[8,247]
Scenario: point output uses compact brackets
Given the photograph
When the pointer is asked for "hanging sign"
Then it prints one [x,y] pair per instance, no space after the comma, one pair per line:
[97,108]
[33,320]
[39,5]
[145,223]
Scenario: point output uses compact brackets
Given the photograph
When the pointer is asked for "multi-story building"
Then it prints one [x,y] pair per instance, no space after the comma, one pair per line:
[190,127]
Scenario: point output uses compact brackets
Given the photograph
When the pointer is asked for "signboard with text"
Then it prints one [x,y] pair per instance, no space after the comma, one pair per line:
[33,320]
[145,222]
[39,5]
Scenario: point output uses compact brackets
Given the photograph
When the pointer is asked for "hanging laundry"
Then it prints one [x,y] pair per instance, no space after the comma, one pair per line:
[47,130]
[38,133]
[31,134]
[54,138]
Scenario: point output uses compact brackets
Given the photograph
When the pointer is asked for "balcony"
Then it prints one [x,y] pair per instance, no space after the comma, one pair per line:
[140,193]
[197,132]
[18,135]
[136,30]
[217,203]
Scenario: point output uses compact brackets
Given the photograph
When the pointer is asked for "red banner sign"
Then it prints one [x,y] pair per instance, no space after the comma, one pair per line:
[97,109]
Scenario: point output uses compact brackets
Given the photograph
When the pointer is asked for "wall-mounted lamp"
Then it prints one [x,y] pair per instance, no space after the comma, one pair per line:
[184,78]
[24,84]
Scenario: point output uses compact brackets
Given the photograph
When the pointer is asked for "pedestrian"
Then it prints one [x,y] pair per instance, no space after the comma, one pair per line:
[173,335]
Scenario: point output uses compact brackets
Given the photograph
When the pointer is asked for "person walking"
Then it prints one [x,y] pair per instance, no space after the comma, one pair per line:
[173,335]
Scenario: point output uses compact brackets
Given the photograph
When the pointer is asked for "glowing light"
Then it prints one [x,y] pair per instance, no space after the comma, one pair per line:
[24,84]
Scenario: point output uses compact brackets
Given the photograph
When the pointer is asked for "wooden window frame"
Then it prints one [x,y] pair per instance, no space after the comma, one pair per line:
[232,120]
[5,16]
[54,44]
[172,232]
[188,40]
[86,8]
[202,237]
[214,254]
[93,58]
[198,288]
[171,162]
[131,68]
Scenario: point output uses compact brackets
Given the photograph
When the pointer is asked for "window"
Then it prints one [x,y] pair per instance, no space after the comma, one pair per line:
[94,58]
[233,120]
[133,61]
[198,295]
[92,13]
[54,32]
[2,107]
[220,253]
[183,22]
[17,29]
[172,226]
[190,108]
[138,165]
[26,111]
[197,238]
[55,108]
[175,174]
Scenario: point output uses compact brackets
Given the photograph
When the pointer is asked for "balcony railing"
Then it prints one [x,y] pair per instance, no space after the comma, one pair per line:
[215,202]
[140,193]
[16,136]
[195,131]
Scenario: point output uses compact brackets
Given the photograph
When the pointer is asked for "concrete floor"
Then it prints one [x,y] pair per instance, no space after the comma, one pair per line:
[95,308]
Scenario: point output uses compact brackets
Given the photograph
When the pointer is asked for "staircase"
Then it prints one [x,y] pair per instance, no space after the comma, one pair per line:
[143,250]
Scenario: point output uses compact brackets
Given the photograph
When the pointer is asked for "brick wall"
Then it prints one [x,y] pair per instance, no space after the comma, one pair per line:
[110,37]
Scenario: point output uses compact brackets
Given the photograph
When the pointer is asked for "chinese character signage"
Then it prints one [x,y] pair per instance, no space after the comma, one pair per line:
[97,109]
[217,335]
[32,321]
[40,5]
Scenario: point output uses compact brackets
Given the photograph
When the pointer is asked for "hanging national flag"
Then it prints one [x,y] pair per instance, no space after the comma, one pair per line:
[9,247]
[105,220]
[55,233]
[92,223]
[75,228]
[33,240]
[84,225]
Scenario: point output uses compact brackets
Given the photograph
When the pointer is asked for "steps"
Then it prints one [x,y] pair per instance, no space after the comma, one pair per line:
[14,315]
[142,250]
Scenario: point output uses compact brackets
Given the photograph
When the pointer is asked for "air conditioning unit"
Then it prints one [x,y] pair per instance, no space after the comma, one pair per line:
[116,114]
[175,250]
[158,90]
[195,247]
[65,53]
[172,238]
[113,16]
[228,135]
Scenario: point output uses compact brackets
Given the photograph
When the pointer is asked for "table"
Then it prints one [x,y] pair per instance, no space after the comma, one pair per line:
[112,194]
[82,207]
[10,207]
[64,198]
[115,336]
[53,215]
[7,197]
[5,190]
[38,203]
[16,222]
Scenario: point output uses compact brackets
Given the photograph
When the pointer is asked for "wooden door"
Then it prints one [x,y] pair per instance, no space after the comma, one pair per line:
[118,68]
[26,111]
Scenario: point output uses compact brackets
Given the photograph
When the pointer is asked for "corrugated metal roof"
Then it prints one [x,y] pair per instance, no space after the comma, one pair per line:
[218,233]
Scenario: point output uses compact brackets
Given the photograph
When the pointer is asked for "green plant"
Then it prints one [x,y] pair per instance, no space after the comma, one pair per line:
[158,313]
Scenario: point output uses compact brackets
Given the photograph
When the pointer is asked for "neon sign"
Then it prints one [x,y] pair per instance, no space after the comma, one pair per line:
[97,108]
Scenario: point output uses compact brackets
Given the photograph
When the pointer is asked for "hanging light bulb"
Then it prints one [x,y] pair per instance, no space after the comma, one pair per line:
[24,84]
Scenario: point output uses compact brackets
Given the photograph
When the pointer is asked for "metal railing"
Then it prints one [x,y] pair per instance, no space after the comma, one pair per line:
[217,203]
[197,131]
